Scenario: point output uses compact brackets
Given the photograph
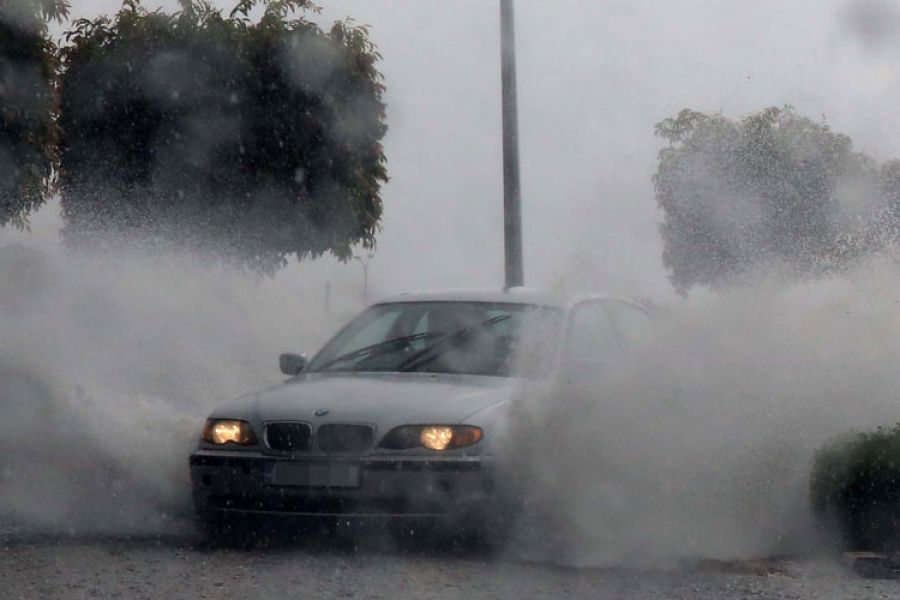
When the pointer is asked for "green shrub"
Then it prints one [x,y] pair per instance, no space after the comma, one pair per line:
[855,485]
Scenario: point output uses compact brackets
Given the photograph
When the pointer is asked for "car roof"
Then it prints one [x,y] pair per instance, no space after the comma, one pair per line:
[514,295]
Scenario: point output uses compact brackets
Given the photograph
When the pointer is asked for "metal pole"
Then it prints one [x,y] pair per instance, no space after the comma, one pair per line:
[365,265]
[512,202]
[366,283]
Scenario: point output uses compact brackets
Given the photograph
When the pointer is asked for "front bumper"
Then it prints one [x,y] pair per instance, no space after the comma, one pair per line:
[389,486]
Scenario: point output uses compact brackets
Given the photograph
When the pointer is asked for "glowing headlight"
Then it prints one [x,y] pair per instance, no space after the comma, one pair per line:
[433,437]
[227,431]
[436,437]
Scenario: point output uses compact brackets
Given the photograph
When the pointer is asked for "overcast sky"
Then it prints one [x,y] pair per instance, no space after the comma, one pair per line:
[594,77]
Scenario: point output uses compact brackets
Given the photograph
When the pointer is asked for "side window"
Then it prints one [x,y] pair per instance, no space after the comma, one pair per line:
[634,324]
[592,337]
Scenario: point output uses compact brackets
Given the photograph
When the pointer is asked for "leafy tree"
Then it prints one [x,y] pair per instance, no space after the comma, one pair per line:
[28,127]
[254,139]
[853,486]
[772,187]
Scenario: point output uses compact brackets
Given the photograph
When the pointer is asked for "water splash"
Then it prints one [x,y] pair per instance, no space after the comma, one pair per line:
[699,442]
[108,369]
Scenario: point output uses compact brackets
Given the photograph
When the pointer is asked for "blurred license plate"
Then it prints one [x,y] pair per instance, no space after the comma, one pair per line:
[313,474]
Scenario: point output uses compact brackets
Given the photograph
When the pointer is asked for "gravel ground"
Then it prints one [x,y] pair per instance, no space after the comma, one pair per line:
[48,567]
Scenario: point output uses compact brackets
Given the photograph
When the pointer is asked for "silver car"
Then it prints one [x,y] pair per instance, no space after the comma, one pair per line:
[403,413]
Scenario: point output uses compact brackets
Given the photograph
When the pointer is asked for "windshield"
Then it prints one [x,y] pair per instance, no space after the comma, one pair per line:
[479,338]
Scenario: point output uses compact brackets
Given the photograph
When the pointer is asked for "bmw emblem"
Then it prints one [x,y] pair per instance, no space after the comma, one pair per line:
[321,412]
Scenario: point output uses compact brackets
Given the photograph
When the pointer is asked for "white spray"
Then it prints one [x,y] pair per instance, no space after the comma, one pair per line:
[108,369]
[699,443]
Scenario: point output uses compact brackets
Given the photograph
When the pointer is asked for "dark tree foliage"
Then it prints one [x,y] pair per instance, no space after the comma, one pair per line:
[253,140]
[855,486]
[28,126]
[774,187]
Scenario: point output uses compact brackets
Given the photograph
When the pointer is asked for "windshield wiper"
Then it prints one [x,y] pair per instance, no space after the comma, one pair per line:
[382,347]
[429,353]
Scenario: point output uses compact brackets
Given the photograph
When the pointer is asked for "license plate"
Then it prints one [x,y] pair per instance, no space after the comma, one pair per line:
[313,474]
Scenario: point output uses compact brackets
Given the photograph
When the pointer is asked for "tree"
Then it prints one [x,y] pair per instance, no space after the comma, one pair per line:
[253,140]
[28,126]
[853,485]
[774,187]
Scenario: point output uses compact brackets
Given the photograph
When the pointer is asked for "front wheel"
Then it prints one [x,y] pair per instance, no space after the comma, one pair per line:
[229,530]
[414,534]
[489,532]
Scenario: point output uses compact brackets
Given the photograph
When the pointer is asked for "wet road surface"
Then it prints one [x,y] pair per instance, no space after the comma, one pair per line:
[46,567]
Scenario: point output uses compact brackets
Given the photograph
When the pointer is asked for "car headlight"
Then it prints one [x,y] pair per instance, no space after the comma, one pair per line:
[228,431]
[433,437]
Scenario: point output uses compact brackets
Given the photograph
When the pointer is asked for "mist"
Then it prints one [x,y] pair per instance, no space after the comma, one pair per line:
[109,368]
[696,445]
[593,80]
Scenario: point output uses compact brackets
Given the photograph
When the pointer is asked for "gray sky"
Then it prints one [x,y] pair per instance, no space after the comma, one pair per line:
[594,77]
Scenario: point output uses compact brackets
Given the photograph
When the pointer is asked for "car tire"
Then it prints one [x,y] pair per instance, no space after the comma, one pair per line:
[490,529]
[230,530]
[487,535]
[413,535]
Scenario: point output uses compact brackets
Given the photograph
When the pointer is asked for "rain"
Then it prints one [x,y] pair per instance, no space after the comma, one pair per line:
[688,463]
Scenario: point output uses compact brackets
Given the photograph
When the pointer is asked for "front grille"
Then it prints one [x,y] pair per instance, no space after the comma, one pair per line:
[288,437]
[344,438]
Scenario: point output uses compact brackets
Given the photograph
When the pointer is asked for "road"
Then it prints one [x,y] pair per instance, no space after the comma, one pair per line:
[34,567]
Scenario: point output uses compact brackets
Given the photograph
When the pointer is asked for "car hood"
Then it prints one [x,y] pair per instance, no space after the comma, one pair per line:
[385,400]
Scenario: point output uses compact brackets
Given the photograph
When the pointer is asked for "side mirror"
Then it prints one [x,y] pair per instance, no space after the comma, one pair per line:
[292,364]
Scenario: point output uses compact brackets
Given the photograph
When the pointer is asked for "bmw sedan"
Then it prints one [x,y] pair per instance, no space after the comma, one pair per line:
[403,413]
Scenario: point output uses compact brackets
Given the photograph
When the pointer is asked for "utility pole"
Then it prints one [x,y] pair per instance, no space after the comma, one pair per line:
[328,299]
[365,265]
[512,200]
